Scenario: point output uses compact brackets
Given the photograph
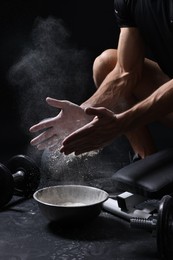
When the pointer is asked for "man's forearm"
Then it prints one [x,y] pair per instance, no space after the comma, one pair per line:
[112,92]
[153,108]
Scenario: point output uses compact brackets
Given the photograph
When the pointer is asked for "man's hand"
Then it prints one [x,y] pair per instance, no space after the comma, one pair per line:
[94,135]
[54,130]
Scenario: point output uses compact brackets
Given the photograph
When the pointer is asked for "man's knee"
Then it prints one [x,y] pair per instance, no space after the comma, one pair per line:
[103,65]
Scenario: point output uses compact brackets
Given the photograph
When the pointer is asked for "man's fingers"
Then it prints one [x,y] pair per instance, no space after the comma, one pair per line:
[99,111]
[56,103]
[46,123]
[42,137]
[78,134]
[52,142]
[75,141]
[84,148]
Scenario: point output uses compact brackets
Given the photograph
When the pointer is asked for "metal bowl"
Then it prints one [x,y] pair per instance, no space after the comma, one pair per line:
[70,202]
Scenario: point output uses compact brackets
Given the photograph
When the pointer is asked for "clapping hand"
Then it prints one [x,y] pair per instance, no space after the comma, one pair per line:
[55,129]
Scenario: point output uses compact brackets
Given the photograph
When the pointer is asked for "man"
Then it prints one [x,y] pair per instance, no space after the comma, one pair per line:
[132,91]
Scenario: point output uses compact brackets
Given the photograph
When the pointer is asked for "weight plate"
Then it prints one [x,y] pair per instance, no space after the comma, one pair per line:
[6,185]
[165,228]
[26,185]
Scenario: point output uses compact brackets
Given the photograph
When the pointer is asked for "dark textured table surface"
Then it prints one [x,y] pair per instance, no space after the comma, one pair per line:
[27,235]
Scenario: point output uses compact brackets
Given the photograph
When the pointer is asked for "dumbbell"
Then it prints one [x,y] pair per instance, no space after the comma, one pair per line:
[162,225]
[20,176]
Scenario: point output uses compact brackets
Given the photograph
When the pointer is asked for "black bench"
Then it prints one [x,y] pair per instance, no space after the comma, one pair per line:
[151,177]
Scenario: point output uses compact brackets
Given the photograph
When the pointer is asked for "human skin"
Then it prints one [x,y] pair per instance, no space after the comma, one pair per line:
[115,112]
[88,138]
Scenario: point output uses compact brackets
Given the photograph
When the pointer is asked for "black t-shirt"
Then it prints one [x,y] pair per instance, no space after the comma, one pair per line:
[154,19]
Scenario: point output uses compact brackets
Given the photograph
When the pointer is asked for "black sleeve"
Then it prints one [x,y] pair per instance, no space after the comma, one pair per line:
[123,13]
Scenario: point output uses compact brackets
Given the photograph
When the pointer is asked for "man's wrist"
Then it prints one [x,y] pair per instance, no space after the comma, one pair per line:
[127,121]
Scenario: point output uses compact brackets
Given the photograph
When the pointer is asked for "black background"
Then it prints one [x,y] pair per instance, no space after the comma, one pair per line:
[92,25]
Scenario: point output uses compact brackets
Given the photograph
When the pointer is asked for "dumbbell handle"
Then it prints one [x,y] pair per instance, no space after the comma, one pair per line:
[18,175]
[18,178]
[162,224]
[150,223]
[143,223]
